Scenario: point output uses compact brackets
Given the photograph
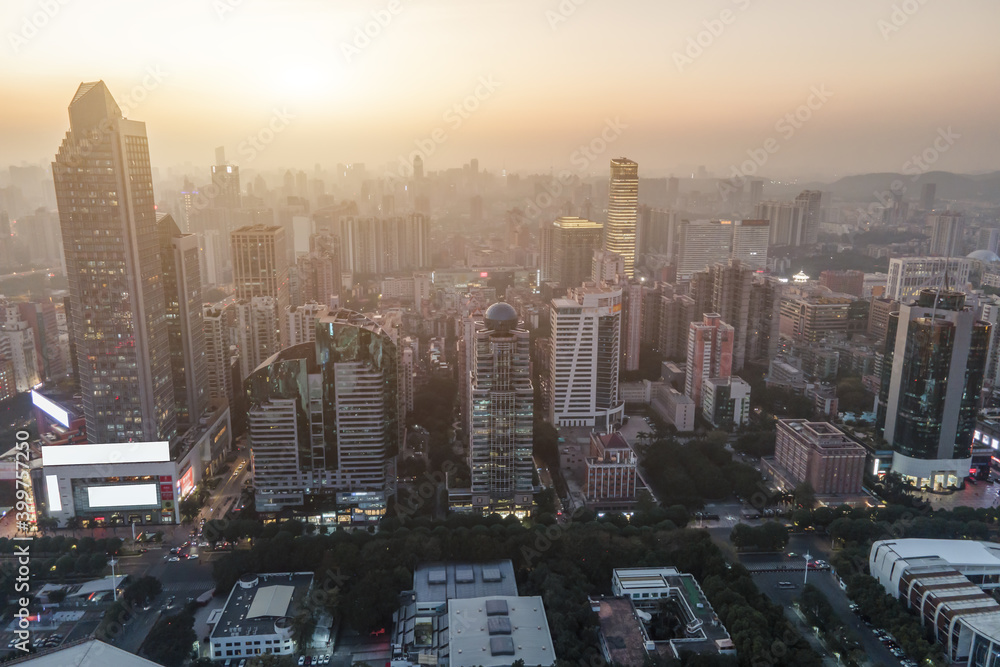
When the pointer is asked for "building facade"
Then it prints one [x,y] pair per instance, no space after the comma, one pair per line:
[821,454]
[502,415]
[935,356]
[623,211]
[104,190]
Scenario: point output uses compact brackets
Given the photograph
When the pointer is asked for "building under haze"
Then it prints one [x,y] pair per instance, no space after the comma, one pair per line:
[908,276]
[260,265]
[623,211]
[182,289]
[947,232]
[104,190]
[568,246]
[935,355]
[709,354]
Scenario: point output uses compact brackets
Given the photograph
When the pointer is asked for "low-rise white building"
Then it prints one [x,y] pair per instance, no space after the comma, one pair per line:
[257,617]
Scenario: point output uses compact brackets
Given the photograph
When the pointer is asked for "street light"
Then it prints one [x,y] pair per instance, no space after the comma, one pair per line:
[805,579]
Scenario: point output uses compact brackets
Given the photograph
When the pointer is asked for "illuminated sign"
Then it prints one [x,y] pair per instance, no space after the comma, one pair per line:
[125,452]
[186,483]
[995,443]
[484,274]
[130,495]
[50,408]
[52,488]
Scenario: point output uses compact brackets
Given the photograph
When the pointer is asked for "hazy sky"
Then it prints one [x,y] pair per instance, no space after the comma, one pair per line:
[560,69]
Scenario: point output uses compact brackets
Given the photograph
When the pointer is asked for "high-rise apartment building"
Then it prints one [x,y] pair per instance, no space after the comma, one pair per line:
[947,231]
[908,276]
[788,221]
[702,243]
[104,189]
[623,209]
[256,332]
[811,200]
[18,344]
[756,193]
[750,241]
[324,419]
[709,354]
[730,283]
[300,321]
[260,266]
[182,290]
[376,246]
[607,267]
[568,246]
[502,412]
[935,355]
[584,358]
[219,321]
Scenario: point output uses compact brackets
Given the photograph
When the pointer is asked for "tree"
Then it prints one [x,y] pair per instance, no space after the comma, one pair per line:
[805,495]
[142,590]
[169,642]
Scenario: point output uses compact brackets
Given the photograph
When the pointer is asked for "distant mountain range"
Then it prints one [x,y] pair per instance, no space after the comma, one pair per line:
[868,187]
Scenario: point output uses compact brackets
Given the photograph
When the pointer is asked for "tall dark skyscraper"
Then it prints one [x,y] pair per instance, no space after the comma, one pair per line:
[935,353]
[104,191]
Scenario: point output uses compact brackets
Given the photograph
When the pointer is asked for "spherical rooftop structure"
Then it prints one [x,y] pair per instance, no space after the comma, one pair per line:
[986,256]
[501,317]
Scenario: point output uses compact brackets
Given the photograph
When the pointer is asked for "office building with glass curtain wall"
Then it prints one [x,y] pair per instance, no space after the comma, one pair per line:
[935,355]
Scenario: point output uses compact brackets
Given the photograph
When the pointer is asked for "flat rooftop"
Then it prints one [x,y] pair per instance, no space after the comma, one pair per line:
[253,610]
[439,582]
[496,631]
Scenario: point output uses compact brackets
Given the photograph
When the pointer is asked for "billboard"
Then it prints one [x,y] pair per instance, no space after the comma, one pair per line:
[52,489]
[186,483]
[50,408]
[125,495]
[125,452]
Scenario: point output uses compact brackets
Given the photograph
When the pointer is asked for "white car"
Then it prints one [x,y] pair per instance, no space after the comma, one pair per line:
[192,556]
[174,559]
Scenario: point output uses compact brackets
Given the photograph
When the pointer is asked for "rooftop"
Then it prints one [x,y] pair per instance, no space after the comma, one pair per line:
[90,653]
[438,582]
[958,553]
[256,601]
[497,631]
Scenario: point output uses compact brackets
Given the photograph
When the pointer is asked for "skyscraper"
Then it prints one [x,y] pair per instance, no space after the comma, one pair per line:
[300,321]
[935,354]
[584,356]
[375,246]
[702,243]
[756,193]
[623,208]
[731,283]
[502,413]
[226,182]
[181,260]
[709,354]
[104,190]
[569,244]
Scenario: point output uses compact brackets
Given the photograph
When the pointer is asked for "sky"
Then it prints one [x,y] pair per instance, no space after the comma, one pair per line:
[783,88]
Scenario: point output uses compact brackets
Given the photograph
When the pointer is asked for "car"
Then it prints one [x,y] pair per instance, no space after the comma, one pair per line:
[243,662]
[174,559]
[309,660]
[302,660]
[193,556]
[143,550]
[170,602]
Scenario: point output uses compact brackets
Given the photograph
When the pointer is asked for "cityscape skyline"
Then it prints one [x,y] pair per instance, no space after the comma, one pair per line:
[395,94]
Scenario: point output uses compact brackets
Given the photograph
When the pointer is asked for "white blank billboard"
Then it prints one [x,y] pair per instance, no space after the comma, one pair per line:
[52,487]
[128,495]
[124,452]
[50,408]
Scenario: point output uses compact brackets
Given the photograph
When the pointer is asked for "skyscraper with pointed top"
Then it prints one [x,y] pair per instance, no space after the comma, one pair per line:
[104,191]
[623,211]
